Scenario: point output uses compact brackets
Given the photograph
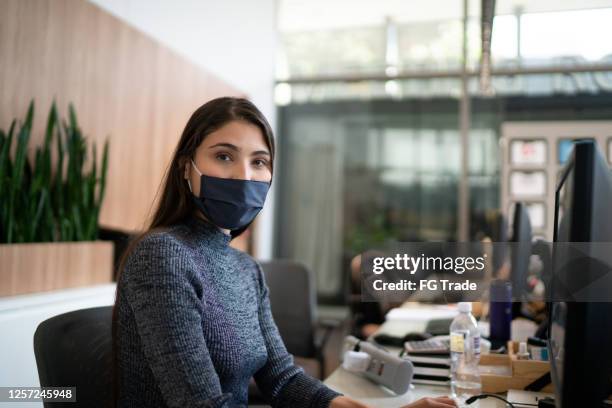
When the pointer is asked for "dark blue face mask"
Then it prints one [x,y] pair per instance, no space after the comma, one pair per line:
[229,203]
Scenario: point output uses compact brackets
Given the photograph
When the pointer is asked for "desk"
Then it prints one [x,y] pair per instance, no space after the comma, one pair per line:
[369,393]
[373,395]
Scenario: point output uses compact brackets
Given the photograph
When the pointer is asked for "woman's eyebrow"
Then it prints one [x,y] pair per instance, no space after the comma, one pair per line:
[228,145]
[237,149]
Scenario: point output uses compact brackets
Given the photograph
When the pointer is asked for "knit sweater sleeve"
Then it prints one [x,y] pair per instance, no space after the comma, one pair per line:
[284,383]
[166,299]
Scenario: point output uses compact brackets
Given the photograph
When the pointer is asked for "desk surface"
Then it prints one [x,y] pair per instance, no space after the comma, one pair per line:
[371,394]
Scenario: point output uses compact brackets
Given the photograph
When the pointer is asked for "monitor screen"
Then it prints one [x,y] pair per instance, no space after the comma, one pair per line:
[563,204]
[580,331]
[521,251]
[564,149]
[558,309]
[557,341]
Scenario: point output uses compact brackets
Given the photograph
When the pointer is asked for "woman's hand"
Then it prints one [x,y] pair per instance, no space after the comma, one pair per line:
[438,402]
[346,402]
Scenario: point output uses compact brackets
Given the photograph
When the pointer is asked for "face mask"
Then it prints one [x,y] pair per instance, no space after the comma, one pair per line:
[229,203]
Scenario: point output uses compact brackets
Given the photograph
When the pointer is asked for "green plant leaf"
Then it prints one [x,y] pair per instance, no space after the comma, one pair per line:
[19,168]
[5,172]
[42,201]
[39,211]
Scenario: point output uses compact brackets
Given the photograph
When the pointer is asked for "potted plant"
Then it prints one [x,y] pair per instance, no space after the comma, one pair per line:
[49,207]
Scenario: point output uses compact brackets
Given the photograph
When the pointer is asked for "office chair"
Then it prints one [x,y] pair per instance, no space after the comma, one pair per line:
[75,350]
[294,307]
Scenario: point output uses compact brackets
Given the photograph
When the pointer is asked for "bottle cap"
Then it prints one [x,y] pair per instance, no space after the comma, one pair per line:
[465,307]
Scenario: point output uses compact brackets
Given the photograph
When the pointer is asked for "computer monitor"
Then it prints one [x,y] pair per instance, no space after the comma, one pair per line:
[580,333]
[521,251]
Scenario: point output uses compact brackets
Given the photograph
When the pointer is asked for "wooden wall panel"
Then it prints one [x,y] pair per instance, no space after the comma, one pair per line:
[123,84]
[30,268]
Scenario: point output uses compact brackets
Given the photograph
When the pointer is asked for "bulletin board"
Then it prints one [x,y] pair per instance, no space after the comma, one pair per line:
[533,156]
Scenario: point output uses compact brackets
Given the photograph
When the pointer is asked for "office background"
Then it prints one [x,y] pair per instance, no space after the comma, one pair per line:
[385,129]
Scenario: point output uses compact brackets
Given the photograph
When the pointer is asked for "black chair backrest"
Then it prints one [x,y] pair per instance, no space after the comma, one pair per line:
[293,304]
[75,350]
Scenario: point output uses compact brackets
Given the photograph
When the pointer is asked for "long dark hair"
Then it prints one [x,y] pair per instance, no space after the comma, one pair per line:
[175,204]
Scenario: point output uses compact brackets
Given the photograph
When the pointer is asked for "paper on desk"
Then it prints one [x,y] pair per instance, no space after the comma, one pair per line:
[421,313]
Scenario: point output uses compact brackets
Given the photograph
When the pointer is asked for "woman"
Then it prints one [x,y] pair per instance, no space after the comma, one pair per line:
[192,320]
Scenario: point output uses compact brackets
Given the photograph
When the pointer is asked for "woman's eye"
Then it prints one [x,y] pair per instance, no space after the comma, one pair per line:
[223,157]
[259,163]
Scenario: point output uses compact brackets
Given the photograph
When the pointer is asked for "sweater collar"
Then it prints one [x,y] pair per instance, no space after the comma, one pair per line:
[208,232]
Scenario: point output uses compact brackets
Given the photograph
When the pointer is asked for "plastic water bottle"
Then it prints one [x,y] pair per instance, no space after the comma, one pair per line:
[465,354]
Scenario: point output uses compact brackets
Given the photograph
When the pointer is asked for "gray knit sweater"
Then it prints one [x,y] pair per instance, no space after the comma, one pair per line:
[194,325]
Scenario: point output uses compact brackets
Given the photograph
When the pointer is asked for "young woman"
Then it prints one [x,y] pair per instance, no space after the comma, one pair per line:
[192,321]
